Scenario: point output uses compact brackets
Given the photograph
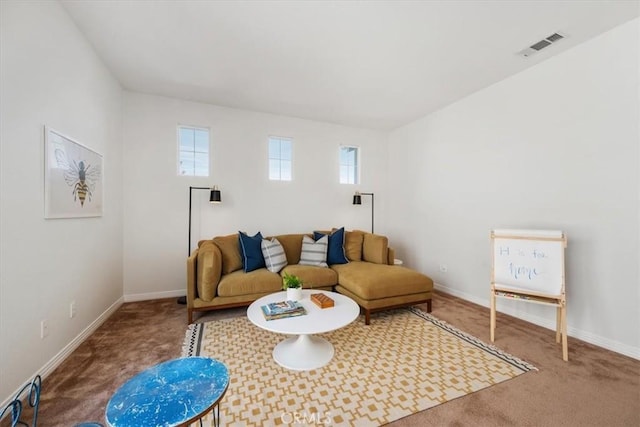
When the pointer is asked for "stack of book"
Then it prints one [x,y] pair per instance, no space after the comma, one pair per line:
[281,309]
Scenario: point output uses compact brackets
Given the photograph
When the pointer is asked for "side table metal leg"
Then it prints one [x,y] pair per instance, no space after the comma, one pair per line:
[216,416]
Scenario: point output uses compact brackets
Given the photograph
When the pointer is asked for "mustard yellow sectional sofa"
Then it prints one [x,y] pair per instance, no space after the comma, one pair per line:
[216,278]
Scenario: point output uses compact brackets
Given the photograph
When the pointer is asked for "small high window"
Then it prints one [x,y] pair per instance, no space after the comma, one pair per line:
[349,165]
[193,151]
[280,158]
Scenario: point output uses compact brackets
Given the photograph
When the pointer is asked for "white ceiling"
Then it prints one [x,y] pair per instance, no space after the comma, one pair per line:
[374,64]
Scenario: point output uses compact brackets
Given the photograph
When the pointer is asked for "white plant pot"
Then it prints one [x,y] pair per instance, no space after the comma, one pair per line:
[294,294]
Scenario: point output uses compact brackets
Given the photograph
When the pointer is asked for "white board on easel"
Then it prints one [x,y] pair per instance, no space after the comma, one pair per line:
[528,265]
[529,260]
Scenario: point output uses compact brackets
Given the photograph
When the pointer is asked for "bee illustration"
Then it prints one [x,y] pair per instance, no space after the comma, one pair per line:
[79,175]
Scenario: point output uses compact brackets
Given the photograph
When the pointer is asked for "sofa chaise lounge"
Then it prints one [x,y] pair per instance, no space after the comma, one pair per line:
[216,278]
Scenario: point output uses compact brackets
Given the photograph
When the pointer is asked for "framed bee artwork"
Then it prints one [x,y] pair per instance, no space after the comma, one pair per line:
[72,178]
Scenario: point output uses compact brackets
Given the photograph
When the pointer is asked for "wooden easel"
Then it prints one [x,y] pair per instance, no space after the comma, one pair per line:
[511,289]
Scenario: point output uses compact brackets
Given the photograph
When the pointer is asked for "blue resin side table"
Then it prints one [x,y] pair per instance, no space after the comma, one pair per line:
[173,393]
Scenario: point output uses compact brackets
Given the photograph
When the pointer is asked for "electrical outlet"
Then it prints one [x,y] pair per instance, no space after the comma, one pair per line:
[443,268]
[72,310]
[44,329]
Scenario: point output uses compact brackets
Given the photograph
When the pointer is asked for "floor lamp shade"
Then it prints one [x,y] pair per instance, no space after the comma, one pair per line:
[357,200]
[215,196]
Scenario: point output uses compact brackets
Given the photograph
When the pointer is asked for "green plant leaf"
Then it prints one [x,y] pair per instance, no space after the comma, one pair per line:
[291,281]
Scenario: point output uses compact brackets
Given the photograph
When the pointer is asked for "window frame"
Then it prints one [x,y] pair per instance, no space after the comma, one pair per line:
[357,166]
[280,159]
[194,128]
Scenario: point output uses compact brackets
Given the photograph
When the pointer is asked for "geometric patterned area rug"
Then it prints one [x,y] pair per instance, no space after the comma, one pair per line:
[406,361]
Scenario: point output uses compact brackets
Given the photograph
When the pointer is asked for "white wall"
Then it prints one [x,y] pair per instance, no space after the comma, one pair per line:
[50,75]
[556,146]
[156,199]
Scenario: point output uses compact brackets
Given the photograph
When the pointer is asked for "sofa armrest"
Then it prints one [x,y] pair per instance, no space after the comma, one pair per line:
[391,256]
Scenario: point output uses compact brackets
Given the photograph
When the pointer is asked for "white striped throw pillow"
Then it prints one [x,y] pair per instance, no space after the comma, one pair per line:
[314,252]
[274,256]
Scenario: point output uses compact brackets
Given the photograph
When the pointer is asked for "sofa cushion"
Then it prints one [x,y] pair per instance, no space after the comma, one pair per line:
[314,252]
[273,254]
[230,250]
[353,245]
[374,248]
[375,281]
[209,269]
[312,276]
[335,247]
[251,251]
[256,281]
[292,244]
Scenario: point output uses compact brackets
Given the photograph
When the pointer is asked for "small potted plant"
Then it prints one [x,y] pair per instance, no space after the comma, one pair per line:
[293,285]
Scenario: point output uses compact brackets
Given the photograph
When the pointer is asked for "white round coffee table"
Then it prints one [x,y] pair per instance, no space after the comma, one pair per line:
[305,351]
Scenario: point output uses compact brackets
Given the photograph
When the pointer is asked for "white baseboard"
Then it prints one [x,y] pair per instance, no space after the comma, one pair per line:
[154,295]
[589,337]
[56,360]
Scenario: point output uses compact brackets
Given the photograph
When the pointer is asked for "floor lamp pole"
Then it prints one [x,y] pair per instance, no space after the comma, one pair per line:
[357,200]
[372,210]
[183,300]
[190,197]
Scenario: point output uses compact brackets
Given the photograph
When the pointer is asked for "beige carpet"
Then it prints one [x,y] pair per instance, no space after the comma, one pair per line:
[404,362]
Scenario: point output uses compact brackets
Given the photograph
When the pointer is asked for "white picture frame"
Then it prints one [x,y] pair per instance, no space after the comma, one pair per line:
[73,178]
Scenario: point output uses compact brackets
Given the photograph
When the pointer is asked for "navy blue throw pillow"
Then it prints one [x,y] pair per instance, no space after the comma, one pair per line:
[335,251]
[252,258]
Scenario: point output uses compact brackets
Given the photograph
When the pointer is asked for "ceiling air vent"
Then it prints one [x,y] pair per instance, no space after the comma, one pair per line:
[538,46]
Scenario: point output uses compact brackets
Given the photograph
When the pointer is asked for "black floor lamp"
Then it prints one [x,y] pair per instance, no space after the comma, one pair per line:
[357,200]
[214,197]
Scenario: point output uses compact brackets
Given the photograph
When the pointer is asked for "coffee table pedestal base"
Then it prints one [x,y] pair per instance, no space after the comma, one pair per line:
[303,353]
